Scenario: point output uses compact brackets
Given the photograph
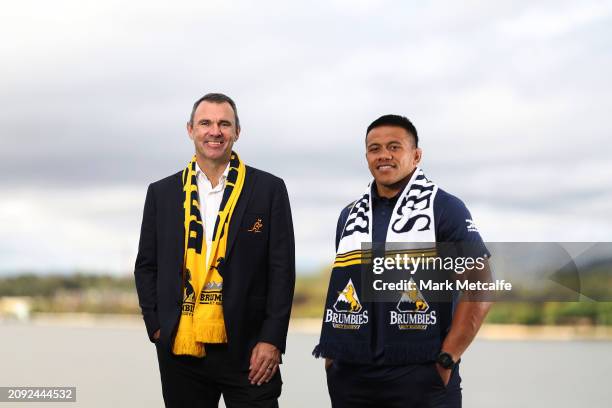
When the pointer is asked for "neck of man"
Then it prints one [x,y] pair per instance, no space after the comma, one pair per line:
[391,190]
[213,169]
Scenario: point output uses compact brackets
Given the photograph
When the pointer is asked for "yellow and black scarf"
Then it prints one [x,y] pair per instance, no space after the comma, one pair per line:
[202,316]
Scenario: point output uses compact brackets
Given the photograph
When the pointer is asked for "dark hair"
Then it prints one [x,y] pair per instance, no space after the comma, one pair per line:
[215,98]
[396,120]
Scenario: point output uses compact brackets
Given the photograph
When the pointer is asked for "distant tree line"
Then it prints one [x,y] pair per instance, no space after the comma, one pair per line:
[82,292]
[49,285]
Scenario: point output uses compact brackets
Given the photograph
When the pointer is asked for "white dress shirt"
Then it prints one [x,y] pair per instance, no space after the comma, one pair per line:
[210,201]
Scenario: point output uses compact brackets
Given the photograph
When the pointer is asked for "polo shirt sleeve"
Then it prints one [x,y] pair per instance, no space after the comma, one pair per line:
[454,224]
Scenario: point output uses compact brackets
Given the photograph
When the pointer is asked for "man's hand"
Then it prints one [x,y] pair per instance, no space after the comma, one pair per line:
[265,359]
[444,373]
[156,335]
[328,363]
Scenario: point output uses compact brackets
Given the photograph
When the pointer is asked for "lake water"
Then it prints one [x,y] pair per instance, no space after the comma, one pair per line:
[117,367]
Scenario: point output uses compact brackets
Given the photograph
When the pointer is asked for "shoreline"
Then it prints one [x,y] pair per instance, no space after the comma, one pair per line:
[499,332]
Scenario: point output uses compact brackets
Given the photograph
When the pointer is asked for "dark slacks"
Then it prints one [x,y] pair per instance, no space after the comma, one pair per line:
[199,382]
[412,386]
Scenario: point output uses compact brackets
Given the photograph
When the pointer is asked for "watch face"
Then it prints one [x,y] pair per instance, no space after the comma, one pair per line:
[445,360]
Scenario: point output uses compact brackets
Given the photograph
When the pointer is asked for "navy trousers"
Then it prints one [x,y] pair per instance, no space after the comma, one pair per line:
[376,386]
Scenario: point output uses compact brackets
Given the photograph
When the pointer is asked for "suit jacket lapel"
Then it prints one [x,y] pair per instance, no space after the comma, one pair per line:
[241,205]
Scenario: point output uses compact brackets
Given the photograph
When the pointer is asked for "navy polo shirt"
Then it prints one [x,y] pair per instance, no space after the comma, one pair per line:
[452,223]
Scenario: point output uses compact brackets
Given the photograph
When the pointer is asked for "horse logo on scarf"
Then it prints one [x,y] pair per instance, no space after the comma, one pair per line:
[412,300]
[188,290]
[348,301]
[413,311]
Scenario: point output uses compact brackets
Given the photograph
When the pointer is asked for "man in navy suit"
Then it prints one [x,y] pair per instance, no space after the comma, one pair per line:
[258,272]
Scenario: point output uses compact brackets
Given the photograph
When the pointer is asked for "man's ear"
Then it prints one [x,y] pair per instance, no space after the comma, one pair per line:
[418,155]
[237,135]
[190,130]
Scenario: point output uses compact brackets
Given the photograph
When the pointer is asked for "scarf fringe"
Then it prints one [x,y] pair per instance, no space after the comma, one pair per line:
[210,333]
[186,344]
[395,354]
[348,352]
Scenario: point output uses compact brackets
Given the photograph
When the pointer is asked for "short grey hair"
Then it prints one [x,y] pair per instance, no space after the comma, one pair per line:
[215,98]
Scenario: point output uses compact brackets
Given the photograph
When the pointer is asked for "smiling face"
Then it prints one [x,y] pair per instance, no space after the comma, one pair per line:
[392,157]
[213,132]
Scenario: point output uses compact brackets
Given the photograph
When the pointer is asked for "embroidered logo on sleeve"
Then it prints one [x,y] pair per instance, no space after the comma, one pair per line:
[471,227]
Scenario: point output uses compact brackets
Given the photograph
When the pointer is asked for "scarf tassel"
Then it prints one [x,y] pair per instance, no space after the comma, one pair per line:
[186,344]
[210,333]
[355,352]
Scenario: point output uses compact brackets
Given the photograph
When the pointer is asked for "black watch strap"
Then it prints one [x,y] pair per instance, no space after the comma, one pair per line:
[445,360]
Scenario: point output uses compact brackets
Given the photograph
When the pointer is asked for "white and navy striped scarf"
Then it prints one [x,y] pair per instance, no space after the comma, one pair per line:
[346,331]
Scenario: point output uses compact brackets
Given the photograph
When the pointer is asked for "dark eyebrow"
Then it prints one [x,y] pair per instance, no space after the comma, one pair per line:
[221,122]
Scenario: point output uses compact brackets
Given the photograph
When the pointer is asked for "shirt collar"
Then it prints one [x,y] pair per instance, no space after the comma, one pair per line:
[222,179]
[377,198]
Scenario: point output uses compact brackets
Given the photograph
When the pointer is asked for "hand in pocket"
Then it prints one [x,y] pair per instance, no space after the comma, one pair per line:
[444,373]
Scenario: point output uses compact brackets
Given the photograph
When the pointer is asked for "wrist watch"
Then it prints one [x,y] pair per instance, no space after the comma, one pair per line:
[445,360]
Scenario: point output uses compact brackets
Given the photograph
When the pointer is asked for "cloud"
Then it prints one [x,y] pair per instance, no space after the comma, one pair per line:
[69,229]
[546,22]
[511,101]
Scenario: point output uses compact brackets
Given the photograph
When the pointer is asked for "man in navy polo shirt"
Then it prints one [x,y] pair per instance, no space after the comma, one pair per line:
[432,380]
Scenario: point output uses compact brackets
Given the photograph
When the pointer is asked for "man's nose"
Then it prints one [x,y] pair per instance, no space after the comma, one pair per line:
[385,155]
[215,129]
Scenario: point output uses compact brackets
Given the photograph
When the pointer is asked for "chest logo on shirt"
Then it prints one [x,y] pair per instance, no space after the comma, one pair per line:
[257,226]
[347,311]
[412,310]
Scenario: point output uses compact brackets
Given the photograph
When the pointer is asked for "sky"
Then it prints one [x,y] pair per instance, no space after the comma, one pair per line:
[511,100]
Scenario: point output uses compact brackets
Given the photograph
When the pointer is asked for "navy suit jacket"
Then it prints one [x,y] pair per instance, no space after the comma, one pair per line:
[258,270]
